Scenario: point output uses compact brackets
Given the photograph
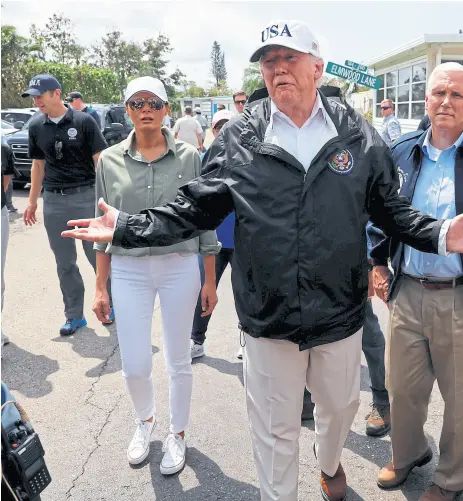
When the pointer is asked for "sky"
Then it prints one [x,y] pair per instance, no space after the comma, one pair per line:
[358,31]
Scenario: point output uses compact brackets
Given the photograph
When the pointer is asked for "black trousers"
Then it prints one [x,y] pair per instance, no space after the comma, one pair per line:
[222,259]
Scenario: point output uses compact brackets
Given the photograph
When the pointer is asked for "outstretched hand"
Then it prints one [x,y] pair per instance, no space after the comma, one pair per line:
[99,229]
[455,235]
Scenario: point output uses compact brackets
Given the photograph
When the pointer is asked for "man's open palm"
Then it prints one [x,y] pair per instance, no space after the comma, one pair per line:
[99,229]
[455,235]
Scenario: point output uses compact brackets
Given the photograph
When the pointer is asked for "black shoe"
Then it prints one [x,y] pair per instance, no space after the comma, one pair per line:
[307,411]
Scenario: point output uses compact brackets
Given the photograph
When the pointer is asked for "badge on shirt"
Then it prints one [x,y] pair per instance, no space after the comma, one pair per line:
[342,162]
[72,133]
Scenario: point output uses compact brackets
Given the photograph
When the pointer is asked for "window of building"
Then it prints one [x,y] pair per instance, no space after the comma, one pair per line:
[406,88]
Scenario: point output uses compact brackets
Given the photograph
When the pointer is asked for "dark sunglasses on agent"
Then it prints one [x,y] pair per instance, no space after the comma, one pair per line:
[385,107]
[153,103]
[241,101]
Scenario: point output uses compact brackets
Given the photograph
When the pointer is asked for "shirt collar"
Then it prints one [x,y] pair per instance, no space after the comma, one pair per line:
[129,143]
[430,150]
[67,116]
[317,108]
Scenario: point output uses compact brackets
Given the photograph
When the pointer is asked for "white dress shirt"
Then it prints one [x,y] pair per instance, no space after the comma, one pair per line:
[305,142]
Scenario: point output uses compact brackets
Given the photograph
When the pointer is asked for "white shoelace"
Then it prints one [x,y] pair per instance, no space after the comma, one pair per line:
[140,433]
[173,445]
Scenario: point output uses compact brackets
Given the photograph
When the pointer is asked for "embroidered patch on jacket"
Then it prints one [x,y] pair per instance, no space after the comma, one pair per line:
[342,162]
[403,176]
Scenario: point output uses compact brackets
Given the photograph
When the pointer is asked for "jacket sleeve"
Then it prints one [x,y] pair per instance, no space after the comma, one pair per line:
[393,213]
[208,243]
[378,245]
[200,205]
[100,192]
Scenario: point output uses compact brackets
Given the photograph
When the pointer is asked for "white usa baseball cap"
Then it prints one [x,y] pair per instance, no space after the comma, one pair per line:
[146,84]
[292,34]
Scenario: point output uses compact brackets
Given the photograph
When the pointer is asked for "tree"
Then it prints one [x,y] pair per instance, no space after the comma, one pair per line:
[218,69]
[15,50]
[123,58]
[58,37]
[220,89]
[252,79]
[190,89]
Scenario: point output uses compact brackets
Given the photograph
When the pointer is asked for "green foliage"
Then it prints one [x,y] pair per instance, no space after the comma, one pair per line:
[369,115]
[100,72]
[252,79]
[218,69]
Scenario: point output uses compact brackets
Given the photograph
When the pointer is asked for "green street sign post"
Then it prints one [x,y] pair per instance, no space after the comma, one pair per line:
[356,66]
[355,76]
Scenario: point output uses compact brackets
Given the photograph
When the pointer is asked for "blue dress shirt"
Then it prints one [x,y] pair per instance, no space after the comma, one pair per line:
[435,195]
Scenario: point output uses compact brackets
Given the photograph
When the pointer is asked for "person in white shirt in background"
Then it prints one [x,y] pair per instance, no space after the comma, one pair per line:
[188,129]
[202,122]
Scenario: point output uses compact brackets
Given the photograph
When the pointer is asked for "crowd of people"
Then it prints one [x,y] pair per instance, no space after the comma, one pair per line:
[315,211]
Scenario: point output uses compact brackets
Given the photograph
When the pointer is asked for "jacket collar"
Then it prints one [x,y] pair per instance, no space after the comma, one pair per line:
[258,113]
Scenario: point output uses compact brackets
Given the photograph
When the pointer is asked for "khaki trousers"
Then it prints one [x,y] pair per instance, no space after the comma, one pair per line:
[275,375]
[425,343]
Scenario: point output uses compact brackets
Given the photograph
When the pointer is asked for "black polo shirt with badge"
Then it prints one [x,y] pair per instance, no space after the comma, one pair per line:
[67,148]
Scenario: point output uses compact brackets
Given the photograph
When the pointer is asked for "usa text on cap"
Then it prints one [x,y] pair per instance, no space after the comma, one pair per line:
[291,34]
[41,84]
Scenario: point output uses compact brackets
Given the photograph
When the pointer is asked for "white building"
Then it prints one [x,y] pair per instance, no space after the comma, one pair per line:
[404,72]
[208,105]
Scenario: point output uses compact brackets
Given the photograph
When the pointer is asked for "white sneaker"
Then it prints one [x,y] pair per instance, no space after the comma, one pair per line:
[174,454]
[139,447]
[197,350]
[240,353]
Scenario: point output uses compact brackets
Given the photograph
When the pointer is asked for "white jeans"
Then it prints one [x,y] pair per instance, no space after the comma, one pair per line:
[275,375]
[135,283]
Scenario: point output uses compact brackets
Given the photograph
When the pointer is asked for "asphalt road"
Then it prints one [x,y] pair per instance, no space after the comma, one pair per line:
[73,390]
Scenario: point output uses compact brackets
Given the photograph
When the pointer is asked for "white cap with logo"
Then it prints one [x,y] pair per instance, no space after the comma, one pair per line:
[292,34]
[146,84]
[221,115]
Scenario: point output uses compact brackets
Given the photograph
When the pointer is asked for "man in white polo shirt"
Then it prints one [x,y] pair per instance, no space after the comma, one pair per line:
[188,129]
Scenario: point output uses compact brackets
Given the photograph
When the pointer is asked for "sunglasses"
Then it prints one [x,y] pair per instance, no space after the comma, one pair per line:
[58,150]
[154,104]
[385,107]
[241,101]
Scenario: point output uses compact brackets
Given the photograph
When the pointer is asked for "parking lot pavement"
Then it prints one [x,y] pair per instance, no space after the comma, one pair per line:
[73,390]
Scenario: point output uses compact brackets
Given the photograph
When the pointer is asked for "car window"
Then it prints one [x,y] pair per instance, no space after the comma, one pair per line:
[7,125]
[29,121]
[15,116]
[118,115]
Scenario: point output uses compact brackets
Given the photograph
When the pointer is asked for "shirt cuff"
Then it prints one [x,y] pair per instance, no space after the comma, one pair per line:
[442,246]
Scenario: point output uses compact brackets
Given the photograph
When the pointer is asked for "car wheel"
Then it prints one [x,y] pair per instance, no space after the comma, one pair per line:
[19,185]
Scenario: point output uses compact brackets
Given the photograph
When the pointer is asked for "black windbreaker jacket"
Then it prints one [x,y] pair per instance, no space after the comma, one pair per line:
[300,262]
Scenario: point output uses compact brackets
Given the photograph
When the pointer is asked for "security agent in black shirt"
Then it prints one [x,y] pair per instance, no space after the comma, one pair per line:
[64,146]
[76,102]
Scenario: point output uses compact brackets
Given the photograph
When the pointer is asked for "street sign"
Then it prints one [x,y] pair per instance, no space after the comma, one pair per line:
[356,66]
[353,75]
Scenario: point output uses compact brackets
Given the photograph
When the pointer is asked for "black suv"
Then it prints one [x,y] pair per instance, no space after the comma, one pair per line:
[115,126]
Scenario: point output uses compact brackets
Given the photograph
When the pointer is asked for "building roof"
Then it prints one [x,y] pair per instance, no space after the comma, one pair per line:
[417,45]
[205,98]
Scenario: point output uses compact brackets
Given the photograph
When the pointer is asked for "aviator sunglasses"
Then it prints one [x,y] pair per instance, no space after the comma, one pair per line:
[153,103]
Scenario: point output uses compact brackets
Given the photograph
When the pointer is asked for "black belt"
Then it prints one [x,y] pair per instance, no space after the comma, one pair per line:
[70,191]
[430,284]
